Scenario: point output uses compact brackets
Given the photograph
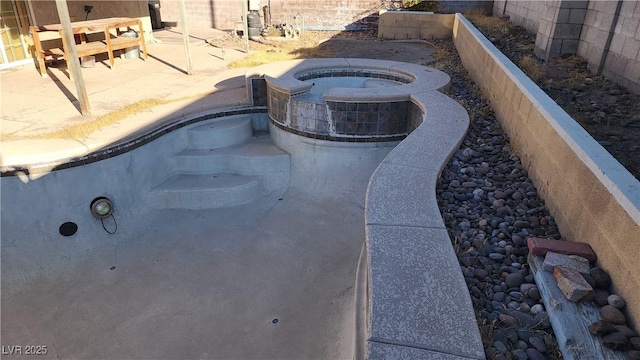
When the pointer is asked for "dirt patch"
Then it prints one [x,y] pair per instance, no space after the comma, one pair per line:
[607,111]
[323,44]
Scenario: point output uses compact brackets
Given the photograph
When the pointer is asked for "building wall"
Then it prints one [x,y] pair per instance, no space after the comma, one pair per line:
[589,193]
[45,12]
[329,15]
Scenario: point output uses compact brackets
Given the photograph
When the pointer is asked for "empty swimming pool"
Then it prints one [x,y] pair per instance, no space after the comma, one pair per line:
[234,234]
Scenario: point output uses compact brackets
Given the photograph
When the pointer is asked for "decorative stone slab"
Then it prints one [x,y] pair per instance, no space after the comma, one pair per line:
[418,297]
[572,284]
[381,351]
[570,321]
[574,262]
[540,247]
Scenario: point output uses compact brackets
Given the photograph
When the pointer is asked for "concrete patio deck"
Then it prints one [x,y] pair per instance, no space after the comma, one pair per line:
[32,105]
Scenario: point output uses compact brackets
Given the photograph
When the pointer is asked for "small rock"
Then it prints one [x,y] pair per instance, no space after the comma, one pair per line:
[574,287]
[615,341]
[603,280]
[521,345]
[590,280]
[626,331]
[507,319]
[524,288]
[514,280]
[634,355]
[538,343]
[542,319]
[601,297]
[500,347]
[524,320]
[617,301]
[635,342]
[496,256]
[613,315]
[519,354]
[480,274]
[534,294]
[525,335]
[537,308]
[601,327]
[573,262]
[534,354]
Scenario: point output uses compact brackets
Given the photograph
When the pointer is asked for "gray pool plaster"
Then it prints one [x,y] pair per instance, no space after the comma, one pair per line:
[351,260]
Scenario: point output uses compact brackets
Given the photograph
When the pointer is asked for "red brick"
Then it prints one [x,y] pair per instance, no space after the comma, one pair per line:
[574,287]
[540,246]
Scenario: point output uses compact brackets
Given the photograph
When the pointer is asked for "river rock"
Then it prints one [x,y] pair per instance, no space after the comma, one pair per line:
[601,327]
[514,280]
[615,341]
[612,314]
[534,354]
[626,331]
[601,297]
[617,301]
[602,279]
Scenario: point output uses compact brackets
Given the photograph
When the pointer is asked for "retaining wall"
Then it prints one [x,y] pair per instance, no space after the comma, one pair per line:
[400,25]
[593,198]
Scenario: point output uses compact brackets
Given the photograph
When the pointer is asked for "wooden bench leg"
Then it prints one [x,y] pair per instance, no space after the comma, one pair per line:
[143,43]
[42,67]
[66,56]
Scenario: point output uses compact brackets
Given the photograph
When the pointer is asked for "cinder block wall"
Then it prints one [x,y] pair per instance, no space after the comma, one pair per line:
[329,15]
[622,62]
[526,13]
[400,25]
[617,57]
[592,197]
[45,12]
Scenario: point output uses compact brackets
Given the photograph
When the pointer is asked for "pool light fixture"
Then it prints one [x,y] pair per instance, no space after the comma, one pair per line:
[101,207]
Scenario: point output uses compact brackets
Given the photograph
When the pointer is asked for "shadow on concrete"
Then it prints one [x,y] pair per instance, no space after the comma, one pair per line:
[72,98]
[167,63]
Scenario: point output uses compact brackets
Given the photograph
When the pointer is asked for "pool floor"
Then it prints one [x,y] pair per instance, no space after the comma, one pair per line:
[269,280]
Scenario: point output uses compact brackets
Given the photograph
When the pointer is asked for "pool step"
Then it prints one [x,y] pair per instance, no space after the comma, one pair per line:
[205,191]
[220,133]
[258,157]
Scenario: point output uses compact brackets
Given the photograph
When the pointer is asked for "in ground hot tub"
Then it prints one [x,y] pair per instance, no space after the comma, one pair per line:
[354,100]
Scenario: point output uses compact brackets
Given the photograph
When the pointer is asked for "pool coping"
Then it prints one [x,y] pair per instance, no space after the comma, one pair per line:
[282,76]
[417,304]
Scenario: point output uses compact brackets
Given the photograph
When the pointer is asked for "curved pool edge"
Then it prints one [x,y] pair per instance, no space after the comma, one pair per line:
[418,303]
[44,155]
[41,162]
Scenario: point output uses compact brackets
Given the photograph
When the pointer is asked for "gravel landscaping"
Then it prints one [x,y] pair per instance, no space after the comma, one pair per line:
[607,111]
[490,207]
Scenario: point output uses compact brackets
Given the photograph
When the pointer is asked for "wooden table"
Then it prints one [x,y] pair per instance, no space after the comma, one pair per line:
[108,45]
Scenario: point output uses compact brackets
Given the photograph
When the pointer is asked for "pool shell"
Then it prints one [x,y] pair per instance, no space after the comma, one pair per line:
[344,113]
